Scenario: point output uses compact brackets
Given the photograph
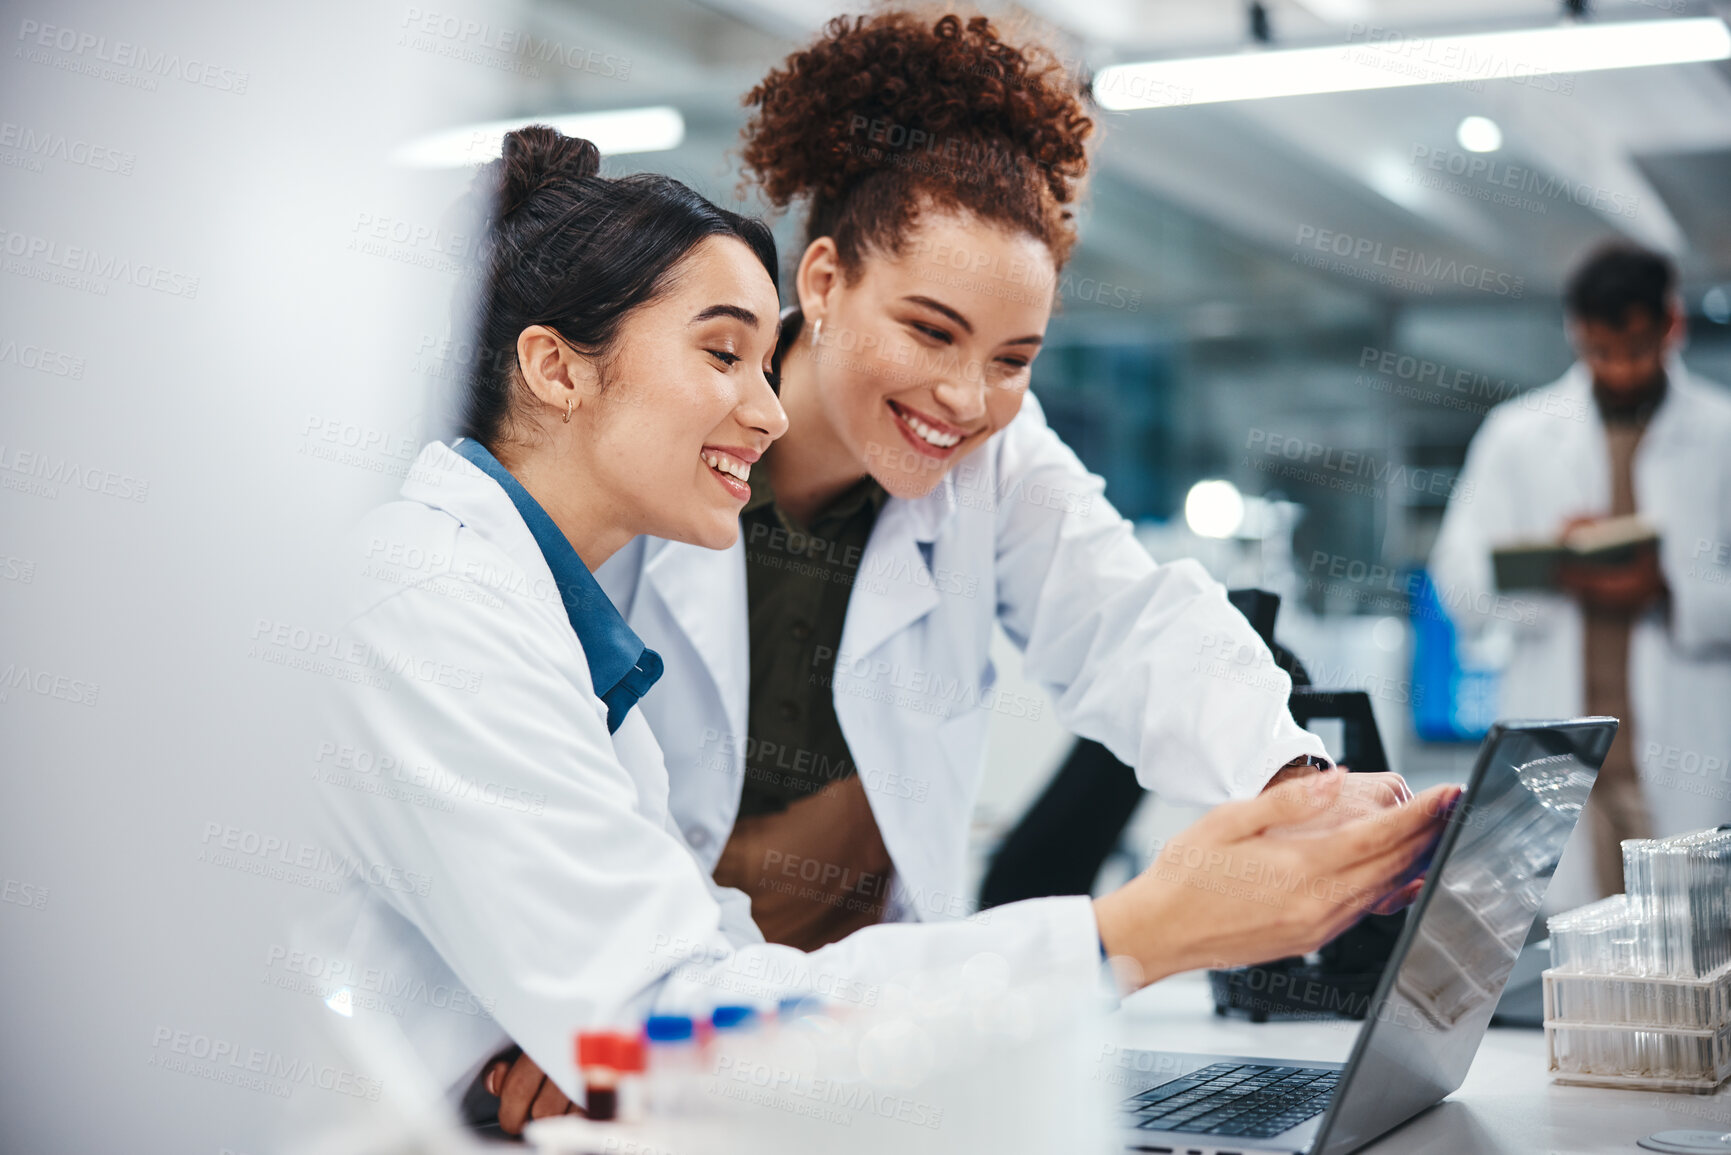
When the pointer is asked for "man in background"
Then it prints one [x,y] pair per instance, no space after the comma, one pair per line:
[1647,638]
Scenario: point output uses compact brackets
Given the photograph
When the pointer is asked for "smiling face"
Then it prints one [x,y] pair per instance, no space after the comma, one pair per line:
[923,356]
[688,406]
[665,427]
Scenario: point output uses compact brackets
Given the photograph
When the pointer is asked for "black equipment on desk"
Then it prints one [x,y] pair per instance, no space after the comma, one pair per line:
[1342,982]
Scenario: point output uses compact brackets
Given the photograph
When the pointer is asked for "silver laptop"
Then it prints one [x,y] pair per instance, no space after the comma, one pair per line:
[1487,877]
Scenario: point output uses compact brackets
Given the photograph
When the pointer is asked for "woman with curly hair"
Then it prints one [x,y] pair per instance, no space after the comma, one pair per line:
[918,501]
[828,679]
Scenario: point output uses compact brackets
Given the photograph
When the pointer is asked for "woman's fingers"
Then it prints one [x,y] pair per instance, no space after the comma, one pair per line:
[522,1085]
[1384,883]
[1360,795]
[496,1068]
[1400,899]
[550,1101]
[1372,859]
[1376,835]
[1383,789]
[524,1093]
[1289,803]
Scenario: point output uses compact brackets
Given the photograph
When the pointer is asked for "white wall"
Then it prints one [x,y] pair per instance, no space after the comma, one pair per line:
[162,501]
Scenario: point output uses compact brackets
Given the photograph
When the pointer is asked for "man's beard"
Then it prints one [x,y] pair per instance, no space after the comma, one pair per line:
[1635,404]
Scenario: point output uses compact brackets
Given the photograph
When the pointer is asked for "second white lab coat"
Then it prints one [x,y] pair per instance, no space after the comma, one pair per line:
[516,877]
[1150,660]
[1540,459]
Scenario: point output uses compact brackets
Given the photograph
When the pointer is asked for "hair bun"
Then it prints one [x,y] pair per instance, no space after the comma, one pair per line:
[818,122]
[537,156]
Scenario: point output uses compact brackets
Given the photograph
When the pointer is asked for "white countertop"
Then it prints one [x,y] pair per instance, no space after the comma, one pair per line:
[1507,1104]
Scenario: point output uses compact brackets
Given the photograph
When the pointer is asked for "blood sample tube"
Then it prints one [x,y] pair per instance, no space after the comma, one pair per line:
[595,1060]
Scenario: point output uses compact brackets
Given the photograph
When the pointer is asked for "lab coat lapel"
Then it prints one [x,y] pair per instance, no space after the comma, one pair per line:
[1665,483]
[1674,425]
[1581,469]
[894,588]
[704,590]
[1671,432]
[445,480]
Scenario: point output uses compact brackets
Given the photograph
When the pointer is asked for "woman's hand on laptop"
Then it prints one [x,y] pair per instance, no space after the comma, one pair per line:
[1232,889]
[1360,795]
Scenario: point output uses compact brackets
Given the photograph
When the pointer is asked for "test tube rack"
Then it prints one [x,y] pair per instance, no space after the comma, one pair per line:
[1664,1034]
[1640,991]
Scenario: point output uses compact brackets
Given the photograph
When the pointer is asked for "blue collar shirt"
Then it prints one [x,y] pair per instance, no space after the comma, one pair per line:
[621,667]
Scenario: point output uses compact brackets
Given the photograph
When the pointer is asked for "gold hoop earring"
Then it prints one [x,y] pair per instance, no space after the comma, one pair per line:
[816,328]
[569,402]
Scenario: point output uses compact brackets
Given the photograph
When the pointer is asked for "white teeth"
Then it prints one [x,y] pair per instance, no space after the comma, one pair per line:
[927,434]
[732,466]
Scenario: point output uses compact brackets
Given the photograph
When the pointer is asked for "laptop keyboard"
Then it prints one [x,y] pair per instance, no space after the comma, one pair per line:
[1250,1100]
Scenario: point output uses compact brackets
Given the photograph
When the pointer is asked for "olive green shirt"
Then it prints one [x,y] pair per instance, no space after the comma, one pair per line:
[798,580]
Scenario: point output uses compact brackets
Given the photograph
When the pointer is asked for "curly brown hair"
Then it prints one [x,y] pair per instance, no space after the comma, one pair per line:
[889,113]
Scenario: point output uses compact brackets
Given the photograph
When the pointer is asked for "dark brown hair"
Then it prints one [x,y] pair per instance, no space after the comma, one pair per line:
[576,251]
[1618,279]
[888,113]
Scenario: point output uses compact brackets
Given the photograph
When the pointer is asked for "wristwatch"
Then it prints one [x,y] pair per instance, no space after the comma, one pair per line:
[1310,760]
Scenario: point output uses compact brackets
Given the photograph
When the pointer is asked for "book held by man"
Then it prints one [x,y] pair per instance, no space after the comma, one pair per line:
[1612,541]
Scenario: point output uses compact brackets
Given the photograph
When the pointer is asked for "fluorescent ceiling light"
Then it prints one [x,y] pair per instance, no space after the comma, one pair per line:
[626,130]
[1338,11]
[1379,58]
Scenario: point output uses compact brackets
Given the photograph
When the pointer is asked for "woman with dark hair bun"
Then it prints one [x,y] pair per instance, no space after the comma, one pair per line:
[620,386]
[828,681]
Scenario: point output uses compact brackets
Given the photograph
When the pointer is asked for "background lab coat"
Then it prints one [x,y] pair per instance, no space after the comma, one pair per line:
[1150,660]
[1540,459]
[553,893]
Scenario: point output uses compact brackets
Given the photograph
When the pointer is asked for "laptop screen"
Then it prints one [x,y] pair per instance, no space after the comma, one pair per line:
[1463,934]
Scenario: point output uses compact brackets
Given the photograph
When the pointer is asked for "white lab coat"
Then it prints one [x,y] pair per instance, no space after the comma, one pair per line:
[1151,660]
[1540,459]
[551,892]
